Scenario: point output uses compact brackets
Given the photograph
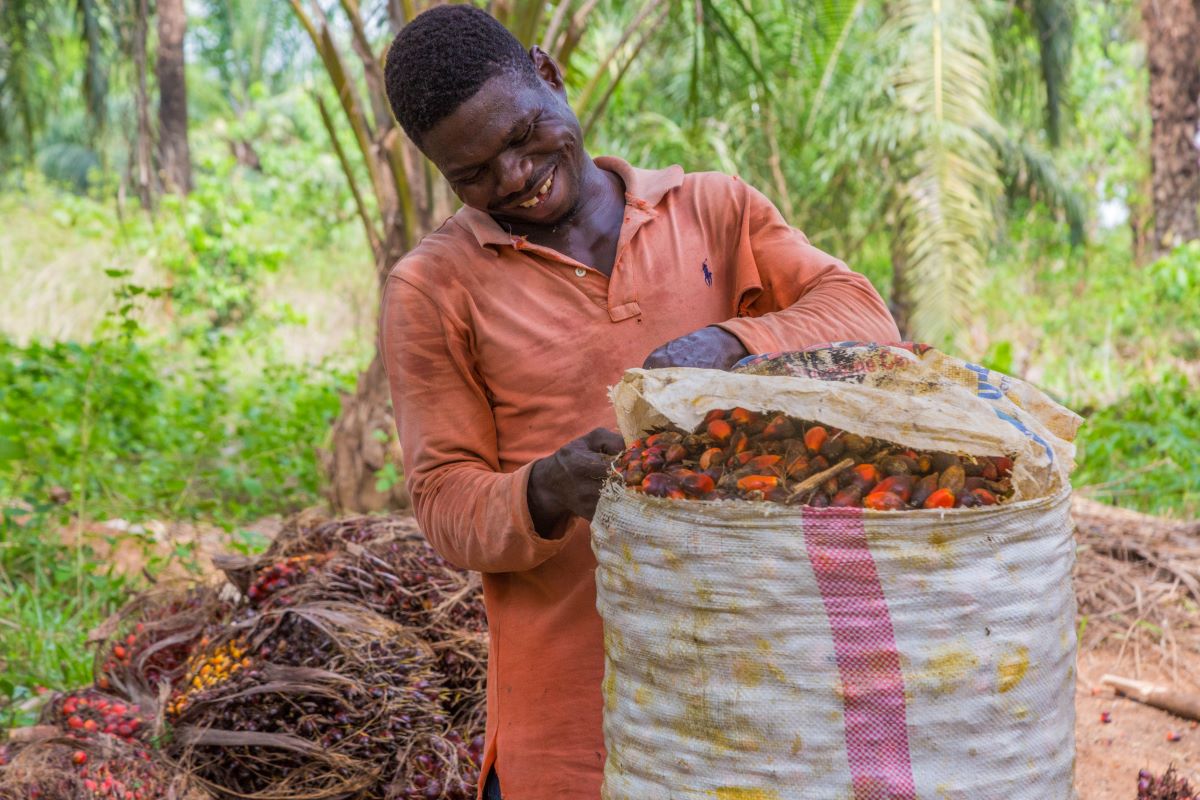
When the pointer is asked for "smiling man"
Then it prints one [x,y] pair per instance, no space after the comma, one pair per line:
[502,330]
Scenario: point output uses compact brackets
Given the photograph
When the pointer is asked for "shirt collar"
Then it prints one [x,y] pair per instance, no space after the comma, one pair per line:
[644,189]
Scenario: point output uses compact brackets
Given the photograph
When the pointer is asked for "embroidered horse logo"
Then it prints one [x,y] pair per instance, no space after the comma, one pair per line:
[707,273]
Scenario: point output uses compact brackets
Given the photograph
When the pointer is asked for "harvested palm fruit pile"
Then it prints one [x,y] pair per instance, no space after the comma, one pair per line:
[738,454]
[346,661]
[1170,786]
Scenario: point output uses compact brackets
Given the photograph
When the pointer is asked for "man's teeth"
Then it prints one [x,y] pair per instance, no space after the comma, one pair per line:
[541,194]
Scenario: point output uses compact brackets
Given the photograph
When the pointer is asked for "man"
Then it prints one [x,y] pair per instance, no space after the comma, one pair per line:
[502,330]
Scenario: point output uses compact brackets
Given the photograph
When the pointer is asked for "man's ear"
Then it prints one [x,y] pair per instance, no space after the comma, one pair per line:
[547,69]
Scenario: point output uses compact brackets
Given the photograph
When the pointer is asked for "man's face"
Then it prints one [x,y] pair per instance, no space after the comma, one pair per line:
[514,149]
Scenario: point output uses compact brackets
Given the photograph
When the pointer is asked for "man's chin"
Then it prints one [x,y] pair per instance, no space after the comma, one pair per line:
[536,217]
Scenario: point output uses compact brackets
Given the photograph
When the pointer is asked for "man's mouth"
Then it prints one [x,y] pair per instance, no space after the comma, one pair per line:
[542,193]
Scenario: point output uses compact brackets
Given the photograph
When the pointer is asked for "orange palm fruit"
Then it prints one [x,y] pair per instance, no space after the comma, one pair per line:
[716,413]
[675,453]
[942,498]
[741,416]
[697,484]
[740,459]
[797,466]
[867,474]
[883,501]
[779,427]
[899,485]
[763,463]
[719,430]
[986,498]
[849,497]
[814,437]
[739,441]
[712,457]
[757,483]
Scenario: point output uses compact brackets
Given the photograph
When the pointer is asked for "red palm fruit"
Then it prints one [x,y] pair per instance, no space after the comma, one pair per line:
[712,457]
[779,427]
[830,486]
[942,498]
[867,475]
[849,497]
[989,470]
[819,500]
[636,444]
[634,476]
[653,464]
[819,463]
[697,484]
[675,453]
[740,459]
[833,447]
[883,501]
[763,463]
[716,413]
[899,485]
[777,495]
[741,416]
[676,494]
[986,498]
[759,483]
[739,442]
[925,487]
[814,437]
[971,484]
[664,439]
[719,430]
[797,467]
[1004,465]
[660,484]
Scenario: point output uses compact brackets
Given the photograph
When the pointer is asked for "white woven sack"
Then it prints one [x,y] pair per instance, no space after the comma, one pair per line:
[761,652]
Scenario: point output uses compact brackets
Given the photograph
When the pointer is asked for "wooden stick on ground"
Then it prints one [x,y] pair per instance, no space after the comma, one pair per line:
[1180,703]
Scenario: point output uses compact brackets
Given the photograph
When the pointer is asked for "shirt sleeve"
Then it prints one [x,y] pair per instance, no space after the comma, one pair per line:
[792,295]
[474,515]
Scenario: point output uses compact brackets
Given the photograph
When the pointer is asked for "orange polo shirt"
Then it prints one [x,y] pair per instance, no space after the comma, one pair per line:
[499,351]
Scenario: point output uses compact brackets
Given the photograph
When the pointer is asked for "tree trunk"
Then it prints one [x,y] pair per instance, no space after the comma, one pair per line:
[142,166]
[173,154]
[1173,55]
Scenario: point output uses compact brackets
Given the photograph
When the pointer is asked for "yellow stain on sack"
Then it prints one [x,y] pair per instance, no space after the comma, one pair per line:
[702,592]
[641,696]
[763,645]
[672,561]
[627,554]
[609,688]
[747,671]
[614,642]
[1012,668]
[738,793]
[698,722]
[797,745]
[1021,712]
[949,668]
[940,542]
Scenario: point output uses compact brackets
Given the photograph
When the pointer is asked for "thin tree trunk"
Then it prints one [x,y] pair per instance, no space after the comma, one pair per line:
[143,146]
[173,153]
[1173,55]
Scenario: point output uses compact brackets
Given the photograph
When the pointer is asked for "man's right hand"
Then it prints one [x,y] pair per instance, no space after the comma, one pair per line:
[568,480]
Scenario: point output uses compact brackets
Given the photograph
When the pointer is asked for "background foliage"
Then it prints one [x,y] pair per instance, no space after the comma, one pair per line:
[185,365]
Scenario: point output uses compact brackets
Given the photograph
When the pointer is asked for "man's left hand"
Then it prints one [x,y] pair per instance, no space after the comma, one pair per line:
[707,348]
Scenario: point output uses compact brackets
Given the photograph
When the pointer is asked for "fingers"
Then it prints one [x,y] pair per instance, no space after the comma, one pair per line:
[658,359]
[602,440]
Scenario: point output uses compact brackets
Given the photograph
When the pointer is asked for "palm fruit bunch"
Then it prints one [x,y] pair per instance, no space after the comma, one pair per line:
[332,699]
[274,578]
[149,641]
[445,768]
[738,454]
[1169,786]
[208,667]
[102,769]
[87,714]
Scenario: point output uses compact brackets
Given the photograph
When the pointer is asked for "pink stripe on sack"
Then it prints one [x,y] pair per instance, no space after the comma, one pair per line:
[872,684]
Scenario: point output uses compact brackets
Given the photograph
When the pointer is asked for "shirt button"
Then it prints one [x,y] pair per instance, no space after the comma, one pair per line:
[580,272]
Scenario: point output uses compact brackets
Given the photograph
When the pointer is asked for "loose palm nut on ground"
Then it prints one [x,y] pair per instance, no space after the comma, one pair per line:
[738,454]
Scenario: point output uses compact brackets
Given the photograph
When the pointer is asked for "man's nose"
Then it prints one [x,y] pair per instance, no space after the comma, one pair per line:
[512,174]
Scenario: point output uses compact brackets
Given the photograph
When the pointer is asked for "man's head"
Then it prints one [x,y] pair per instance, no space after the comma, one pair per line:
[491,116]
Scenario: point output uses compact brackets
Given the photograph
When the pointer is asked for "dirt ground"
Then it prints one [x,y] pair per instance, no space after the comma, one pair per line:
[1109,755]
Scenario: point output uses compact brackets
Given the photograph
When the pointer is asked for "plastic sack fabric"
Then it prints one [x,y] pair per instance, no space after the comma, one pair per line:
[756,651]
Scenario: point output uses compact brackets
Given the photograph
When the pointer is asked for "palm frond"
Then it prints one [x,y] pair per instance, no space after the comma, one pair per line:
[1030,171]
[947,189]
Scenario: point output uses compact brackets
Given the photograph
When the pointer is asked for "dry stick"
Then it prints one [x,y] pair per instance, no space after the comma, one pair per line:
[1179,703]
[814,481]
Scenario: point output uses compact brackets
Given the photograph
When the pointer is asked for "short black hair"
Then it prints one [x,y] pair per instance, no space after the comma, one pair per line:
[441,58]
